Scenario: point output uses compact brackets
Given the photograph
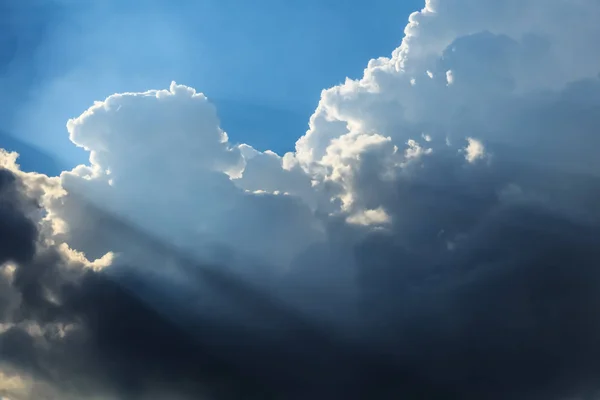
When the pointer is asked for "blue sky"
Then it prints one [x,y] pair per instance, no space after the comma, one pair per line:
[263,63]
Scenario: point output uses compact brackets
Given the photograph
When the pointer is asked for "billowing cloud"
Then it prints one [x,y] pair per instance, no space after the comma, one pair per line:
[435,234]
[163,150]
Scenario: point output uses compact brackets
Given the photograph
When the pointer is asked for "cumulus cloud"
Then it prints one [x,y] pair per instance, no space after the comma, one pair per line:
[435,233]
[164,150]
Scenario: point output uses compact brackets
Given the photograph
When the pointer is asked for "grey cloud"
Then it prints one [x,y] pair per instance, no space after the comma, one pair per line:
[125,334]
[117,345]
[509,312]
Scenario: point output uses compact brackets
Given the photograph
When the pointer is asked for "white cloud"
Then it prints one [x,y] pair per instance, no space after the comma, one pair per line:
[79,257]
[449,77]
[267,171]
[160,160]
[474,150]
[369,217]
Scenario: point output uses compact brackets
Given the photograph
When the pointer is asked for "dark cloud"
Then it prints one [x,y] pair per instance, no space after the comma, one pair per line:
[89,333]
[115,343]
[481,294]
[18,233]
[508,311]
[485,284]
[512,315]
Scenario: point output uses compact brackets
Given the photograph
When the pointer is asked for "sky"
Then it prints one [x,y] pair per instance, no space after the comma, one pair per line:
[432,231]
[227,48]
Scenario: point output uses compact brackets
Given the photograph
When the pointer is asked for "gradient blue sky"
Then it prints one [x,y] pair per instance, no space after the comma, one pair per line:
[263,63]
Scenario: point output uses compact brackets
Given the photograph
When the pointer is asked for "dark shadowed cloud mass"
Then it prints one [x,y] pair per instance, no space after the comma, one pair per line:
[434,235]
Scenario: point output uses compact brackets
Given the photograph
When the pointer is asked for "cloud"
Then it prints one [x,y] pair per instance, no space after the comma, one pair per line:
[474,151]
[72,331]
[435,234]
[164,149]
